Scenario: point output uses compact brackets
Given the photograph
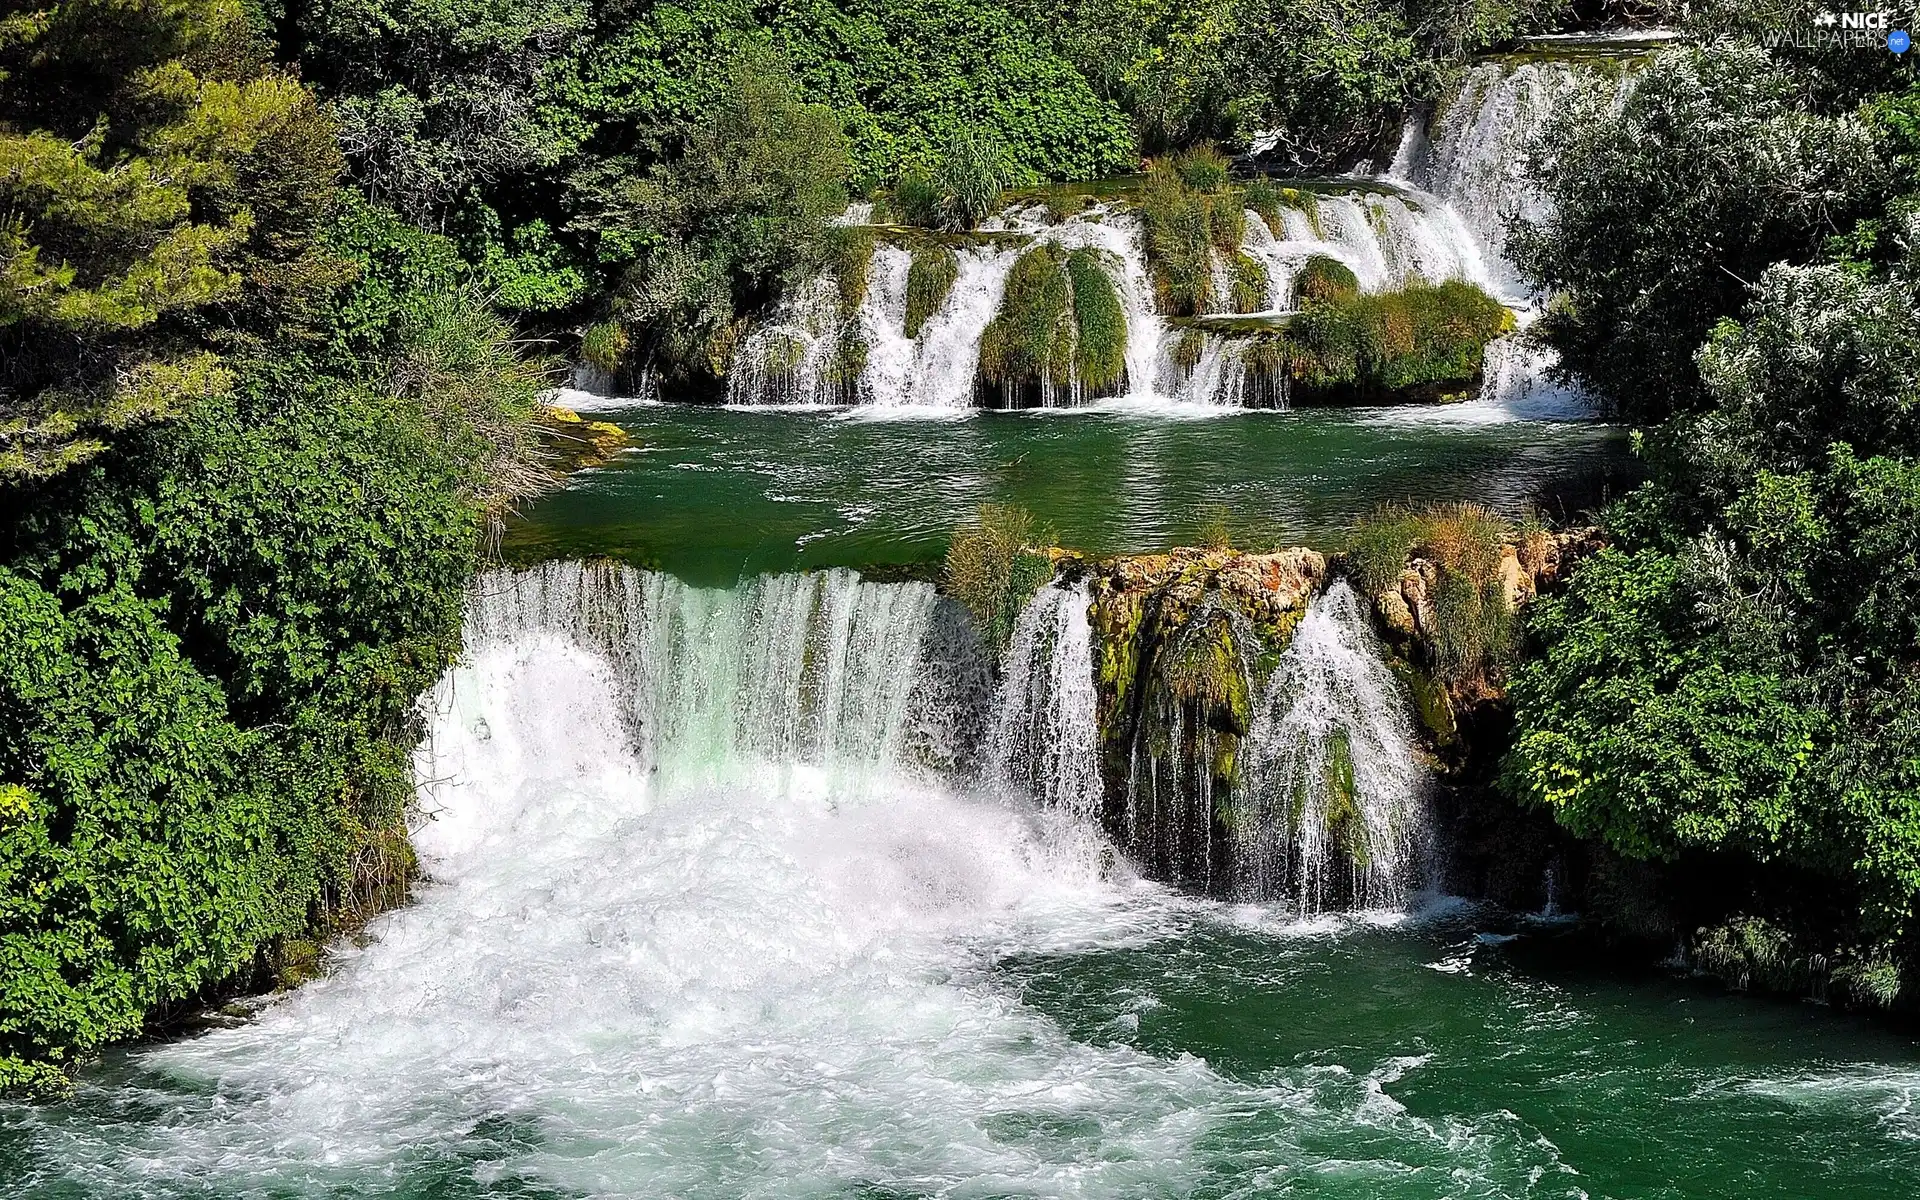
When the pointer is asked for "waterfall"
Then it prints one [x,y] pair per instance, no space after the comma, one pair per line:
[811,354]
[1331,810]
[799,357]
[820,669]
[1475,163]
[1045,741]
[1387,240]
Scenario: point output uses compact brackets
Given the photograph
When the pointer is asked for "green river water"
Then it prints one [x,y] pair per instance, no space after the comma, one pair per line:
[712,495]
[782,987]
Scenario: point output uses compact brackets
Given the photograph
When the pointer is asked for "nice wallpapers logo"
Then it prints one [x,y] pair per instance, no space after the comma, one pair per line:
[1866,30]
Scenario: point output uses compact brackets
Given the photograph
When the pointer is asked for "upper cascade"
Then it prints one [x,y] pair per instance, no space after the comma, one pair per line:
[1473,157]
[816,351]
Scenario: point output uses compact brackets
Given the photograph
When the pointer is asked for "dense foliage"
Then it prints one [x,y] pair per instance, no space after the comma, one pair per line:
[528,136]
[1736,676]
[255,429]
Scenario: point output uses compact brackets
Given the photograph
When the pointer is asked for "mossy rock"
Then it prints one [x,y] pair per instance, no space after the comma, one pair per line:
[1324,278]
[1346,825]
[930,278]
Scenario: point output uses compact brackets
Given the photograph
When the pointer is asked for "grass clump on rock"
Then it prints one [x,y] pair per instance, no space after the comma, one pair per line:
[994,566]
[1100,323]
[1060,328]
[1030,340]
[1424,337]
[1247,283]
[1324,279]
[930,278]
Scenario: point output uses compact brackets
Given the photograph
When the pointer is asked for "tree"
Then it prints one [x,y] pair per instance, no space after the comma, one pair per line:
[161,185]
[1719,168]
[740,214]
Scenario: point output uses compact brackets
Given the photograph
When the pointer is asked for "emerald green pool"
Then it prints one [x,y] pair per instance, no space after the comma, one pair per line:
[716,494]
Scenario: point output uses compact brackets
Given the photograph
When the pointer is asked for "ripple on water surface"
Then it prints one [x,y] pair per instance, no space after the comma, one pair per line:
[735,978]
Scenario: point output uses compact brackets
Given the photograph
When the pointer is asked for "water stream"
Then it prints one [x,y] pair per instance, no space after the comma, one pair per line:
[712,915]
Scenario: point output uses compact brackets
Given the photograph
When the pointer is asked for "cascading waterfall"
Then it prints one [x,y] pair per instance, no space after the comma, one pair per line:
[1388,238]
[798,359]
[820,669]
[1045,741]
[1315,797]
[1474,162]
[1331,810]
[1438,213]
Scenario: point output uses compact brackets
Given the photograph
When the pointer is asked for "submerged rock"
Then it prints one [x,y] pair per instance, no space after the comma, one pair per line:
[578,443]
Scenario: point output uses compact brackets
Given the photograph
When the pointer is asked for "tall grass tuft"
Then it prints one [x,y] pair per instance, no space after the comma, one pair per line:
[930,278]
[1247,283]
[1202,168]
[994,565]
[1472,638]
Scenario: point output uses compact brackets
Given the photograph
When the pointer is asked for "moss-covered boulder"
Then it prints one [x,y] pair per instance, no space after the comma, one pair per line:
[1184,642]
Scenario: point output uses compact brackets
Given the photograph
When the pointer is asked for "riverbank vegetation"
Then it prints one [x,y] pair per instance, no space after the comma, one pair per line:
[253,433]
[1730,686]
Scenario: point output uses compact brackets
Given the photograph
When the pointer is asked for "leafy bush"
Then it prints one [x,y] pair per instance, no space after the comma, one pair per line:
[994,566]
[1714,137]
[1651,728]
[1326,80]
[743,213]
[930,277]
[157,173]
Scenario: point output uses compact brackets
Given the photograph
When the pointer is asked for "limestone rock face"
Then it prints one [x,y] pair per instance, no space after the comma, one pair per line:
[1183,639]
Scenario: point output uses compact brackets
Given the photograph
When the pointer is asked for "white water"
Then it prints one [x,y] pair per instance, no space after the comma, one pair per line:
[1045,741]
[700,925]
[1332,685]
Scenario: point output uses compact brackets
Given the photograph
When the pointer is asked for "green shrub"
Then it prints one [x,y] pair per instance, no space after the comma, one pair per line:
[1423,335]
[1325,279]
[1179,243]
[930,277]
[604,345]
[964,187]
[993,567]
[1100,323]
[1260,195]
[1202,168]
[1247,283]
[1030,340]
